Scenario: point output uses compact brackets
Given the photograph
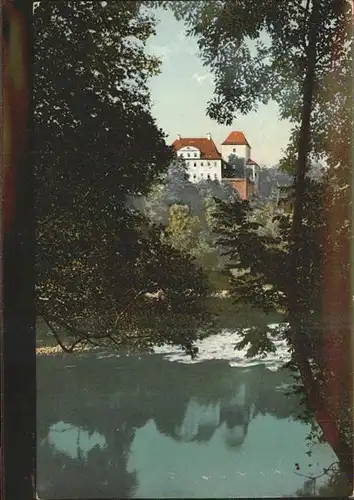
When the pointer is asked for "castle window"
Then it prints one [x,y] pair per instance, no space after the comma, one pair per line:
[208,163]
[215,176]
[189,155]
[234,150]
[195,163]
[195,155]
[215,163]
[208,176]
[194,176]
[202,164]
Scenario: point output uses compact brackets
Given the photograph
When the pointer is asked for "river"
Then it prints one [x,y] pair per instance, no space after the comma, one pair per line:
[159,426]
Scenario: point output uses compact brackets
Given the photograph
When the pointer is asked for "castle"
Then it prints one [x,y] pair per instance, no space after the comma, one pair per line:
[204,161]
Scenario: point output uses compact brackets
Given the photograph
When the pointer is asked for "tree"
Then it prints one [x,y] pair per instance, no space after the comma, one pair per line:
[236,167]
[270,178]
[186,210]
[264,53]
[173,188]
[259,246]
[304,63]
[95,142]
[186,233]
[108,73]
[183,229]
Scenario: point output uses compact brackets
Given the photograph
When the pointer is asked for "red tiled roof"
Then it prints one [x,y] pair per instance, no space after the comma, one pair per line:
[236,138]
[206,146]
[251,162]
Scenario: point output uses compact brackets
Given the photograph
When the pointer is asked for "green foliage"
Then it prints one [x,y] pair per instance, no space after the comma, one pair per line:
[258,52]
[183,229]
[186,233]
[235,167]
[173,188]
[90,88]
[186,210]
[269,179]
[258,243]
[300,55]
[95,143]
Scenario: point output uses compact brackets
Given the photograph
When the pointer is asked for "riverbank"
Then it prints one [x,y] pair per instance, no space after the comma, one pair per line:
[54,350]
[229,316]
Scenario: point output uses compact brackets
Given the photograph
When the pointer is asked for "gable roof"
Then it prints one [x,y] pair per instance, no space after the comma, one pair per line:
[251,162]
[206,147]
[236,138]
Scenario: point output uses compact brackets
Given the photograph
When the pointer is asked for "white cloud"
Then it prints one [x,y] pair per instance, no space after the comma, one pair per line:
[201,79]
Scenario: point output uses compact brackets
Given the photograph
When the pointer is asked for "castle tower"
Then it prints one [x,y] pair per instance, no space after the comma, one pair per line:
[236,144]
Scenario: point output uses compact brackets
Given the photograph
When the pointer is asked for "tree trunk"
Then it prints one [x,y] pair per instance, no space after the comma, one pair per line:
[297,297]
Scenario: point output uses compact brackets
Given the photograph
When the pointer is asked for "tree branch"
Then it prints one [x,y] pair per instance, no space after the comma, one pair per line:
[125,309]
[57,337]
[325,471]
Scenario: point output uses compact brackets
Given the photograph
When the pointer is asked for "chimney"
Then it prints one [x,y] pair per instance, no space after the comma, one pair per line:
[178,137]
[209,136]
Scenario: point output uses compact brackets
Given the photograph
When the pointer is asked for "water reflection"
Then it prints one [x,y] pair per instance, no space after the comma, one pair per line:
[125,427]
[73,440]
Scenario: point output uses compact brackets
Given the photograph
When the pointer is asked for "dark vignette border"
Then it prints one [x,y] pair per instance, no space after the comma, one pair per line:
[18,361]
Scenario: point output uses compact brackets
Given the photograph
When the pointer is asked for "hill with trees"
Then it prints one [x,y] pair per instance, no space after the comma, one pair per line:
[185,211]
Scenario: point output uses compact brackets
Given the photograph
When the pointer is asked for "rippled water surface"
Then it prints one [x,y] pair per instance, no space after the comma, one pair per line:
[161,425]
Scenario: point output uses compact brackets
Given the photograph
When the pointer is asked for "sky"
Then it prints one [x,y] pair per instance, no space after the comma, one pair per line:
[181,92]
